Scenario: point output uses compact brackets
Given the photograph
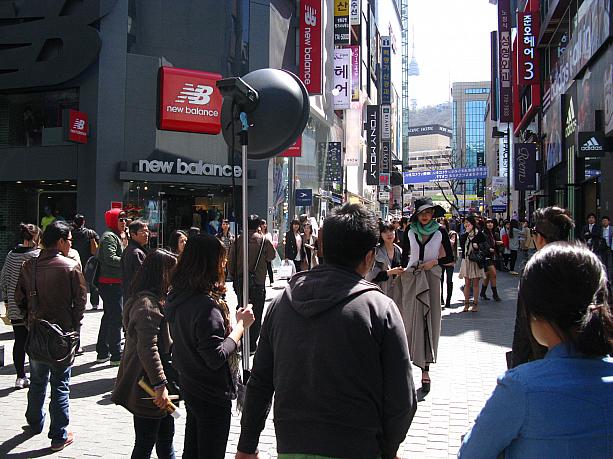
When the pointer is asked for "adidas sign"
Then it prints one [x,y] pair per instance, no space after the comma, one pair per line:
[571,120]
[592,145]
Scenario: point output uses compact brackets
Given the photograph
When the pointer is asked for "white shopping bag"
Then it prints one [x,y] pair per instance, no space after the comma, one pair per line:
[287,269]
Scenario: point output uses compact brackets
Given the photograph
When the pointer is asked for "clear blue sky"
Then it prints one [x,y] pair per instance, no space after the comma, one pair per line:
[452,43]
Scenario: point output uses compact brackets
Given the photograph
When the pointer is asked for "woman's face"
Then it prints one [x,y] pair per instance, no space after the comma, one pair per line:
[490,225]
[468,225]
[264,227]
[181,244]
[388,236]
[425,216]
[308,230]
[296,227]
[225,226]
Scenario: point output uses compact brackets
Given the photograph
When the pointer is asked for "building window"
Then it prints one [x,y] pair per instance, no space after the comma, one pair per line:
[34,118]
[477,91]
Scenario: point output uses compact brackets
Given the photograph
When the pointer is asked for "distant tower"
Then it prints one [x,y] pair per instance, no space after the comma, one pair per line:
[413,67]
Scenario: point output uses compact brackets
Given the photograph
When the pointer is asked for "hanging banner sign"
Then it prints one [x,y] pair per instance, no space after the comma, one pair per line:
[386,71]
[304,197]
[386,122]
[504,61]
[499,194]
[311,57]
[294,151]
[355,73]
[76,126]
[463,173]
[341,96]
[524,166]
[334,165]
[385,167]
[373,137]
[342,32]
[528,28]
[355,12]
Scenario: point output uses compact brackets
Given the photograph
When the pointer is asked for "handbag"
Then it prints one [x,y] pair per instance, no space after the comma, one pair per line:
[91,272]
[252,279]
[287,269]
[47,342]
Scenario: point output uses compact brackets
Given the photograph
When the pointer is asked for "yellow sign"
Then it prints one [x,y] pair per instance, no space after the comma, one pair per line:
[341,7]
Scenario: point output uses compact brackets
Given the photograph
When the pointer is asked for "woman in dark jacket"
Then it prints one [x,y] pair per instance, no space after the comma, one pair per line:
[294,245]
[205,345]
[147,346]
[472,241]
[492,242]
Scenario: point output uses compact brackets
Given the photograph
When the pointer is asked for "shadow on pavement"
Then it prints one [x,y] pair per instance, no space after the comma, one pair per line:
[17,440]
[6,392]
[91,388]
[7,336]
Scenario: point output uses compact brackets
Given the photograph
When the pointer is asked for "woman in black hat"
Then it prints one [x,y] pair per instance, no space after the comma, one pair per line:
[425,244]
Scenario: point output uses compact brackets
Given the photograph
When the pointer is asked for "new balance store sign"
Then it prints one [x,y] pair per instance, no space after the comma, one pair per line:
[189,101]
[591,144]
[76,126]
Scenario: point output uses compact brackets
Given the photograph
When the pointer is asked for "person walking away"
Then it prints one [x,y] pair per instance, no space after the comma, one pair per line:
[555,407]
[267,235]
[205,345]
[426,245]
[472,241]
[447,268]
[492,243]
[506,250]
[85,241]
[551,224]
[363,370]
[134,255]
[147,354]
[61,294]
[310,247]
[176,242]
[607,236]
[30,237]
[514,236]
[388,264]
[109,255]
[260,252]
[294,249]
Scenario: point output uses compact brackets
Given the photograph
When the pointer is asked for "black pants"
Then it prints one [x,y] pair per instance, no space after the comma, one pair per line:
[513,259]
[19,348]
[297,263]
[257,297]
[206,429]
[109,335]
[447,271]
[269,269]
[154,432]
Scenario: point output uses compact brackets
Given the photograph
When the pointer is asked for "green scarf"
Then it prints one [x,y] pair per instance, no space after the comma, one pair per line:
[427,230]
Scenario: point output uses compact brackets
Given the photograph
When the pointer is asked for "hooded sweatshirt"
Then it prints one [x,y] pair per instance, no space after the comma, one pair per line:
[110,250]
[334,352]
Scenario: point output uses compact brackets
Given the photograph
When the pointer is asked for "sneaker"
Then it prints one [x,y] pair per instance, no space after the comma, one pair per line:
[102,359]
[22,383]
[513,273]
[94,307]
[63,444]
[115,363]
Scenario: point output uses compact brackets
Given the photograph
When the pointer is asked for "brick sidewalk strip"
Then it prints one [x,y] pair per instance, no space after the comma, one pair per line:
[471,355]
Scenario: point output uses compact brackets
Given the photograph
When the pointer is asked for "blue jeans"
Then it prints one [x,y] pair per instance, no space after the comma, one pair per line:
[109,336]
[40,375]
[150,432]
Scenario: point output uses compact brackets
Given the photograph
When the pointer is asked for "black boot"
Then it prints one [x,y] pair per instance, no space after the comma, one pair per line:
[482,295]
[449,293]
[495,294]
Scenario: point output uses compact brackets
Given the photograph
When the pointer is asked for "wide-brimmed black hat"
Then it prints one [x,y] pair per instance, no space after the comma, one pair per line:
[422,204]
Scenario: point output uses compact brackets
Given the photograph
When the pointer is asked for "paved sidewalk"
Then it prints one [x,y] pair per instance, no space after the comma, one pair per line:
[471,356]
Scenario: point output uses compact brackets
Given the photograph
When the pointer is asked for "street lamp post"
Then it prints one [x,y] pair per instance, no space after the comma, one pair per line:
[496,134]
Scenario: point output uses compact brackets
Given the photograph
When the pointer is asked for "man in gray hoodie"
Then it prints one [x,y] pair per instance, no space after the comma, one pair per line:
[334,353]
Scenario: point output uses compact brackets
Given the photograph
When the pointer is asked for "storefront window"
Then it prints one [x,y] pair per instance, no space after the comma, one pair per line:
[34,119]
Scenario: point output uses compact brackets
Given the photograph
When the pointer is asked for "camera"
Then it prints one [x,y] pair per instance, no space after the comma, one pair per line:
[243,95]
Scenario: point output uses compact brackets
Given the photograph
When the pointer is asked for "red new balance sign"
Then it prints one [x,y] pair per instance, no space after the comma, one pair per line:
[189,101]
[76,126]
[311,45]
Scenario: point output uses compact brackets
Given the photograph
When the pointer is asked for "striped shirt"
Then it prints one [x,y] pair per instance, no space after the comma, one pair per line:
[10,275]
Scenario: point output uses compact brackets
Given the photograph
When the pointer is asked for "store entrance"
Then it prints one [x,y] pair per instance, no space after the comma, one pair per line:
[170,207]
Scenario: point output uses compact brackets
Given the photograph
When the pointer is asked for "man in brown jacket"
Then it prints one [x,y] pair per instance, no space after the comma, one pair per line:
[62,295]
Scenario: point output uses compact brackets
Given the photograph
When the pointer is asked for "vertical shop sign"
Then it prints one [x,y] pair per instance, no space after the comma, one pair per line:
[294,151]
[570,131]
[386,71]
[353,137]
[524,166]
[528,28]
[334,169]
[355,12]
[373,137]
[504,61]
[386,163]
[494,75]
[341,96]
[386,122]
[341,22]
[311,45]
[355,73]
[76,126]
[608,99]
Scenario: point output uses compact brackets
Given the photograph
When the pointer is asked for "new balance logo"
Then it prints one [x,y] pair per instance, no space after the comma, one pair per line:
[78,124]
[194,95]
[310,16]
[591,145]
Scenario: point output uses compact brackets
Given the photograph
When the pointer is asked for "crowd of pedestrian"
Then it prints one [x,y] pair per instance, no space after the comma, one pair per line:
[336,348]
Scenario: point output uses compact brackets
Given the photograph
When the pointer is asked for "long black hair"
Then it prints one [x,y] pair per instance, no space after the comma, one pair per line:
[566,284]
[154,274]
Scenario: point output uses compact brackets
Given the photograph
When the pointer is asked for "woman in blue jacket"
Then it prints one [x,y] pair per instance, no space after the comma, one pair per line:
[559,406]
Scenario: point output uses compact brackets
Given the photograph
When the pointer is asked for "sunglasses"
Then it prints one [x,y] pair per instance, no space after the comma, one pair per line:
[123,219]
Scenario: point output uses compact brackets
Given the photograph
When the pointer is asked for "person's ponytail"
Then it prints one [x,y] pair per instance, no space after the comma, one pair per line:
[595,334]
[29,232]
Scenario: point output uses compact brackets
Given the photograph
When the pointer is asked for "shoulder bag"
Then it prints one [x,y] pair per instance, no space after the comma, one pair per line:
[252,279]
[47,342]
